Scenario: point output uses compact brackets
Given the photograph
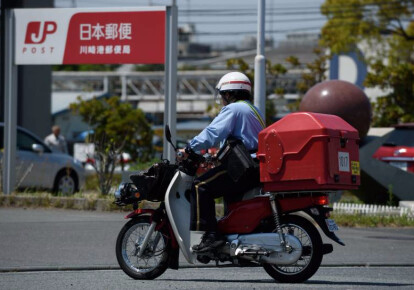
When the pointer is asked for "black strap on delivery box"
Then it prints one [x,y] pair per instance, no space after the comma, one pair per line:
[237,158]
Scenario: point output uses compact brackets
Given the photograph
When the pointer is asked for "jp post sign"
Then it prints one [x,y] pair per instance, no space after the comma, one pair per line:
[96,36]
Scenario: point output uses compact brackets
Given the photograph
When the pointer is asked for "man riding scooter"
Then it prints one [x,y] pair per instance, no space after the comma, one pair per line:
[239,120]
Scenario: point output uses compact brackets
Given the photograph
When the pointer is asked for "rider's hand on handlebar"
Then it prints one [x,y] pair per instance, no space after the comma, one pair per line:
[182,155]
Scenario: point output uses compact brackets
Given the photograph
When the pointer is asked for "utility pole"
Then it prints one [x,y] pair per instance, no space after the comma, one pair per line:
[9,76]
[260,61]
[170,99]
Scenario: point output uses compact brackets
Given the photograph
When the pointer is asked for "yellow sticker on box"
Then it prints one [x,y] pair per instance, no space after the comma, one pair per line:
[355,168]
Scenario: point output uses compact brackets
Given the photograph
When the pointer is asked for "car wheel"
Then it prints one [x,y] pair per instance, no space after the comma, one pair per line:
[65,183]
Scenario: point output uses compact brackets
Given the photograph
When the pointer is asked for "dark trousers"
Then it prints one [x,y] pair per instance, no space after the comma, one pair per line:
[213,184]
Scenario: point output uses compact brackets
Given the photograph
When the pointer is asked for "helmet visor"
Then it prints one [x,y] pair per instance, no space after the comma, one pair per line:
[217,96]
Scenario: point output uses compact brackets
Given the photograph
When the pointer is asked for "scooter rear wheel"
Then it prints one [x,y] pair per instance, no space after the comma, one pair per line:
[312,252]
[154,260]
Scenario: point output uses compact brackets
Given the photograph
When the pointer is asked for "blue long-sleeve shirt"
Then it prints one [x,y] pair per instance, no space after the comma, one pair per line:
[235,119]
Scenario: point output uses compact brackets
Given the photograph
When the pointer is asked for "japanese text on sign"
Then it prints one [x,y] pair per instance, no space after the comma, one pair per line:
[108,31]
[105,49]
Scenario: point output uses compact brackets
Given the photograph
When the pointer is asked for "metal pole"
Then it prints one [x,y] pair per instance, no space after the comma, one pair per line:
[124,88]
[166,81]
[260,61]
[106,85]
[170,103]
[10,106]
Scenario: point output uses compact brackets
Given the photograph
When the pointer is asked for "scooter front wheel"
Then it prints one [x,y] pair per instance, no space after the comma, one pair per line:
[153,261]
[312,251]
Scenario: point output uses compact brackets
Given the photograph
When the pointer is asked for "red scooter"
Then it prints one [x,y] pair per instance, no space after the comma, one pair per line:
[271,229]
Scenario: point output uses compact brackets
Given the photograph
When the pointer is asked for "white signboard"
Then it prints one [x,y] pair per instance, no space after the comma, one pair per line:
[79,36]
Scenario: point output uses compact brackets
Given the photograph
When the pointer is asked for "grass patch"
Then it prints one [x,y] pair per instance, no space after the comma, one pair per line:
[79,201]
[350,197]
[372,221]
[92,182]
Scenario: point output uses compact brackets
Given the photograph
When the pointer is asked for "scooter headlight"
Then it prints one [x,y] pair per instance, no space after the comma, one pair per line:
[119,192]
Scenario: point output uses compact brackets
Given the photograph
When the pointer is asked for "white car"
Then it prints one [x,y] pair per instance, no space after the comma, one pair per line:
[38,167]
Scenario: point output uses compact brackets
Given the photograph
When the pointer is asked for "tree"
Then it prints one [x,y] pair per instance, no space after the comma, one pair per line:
[117,128]
[386,28]
[314,73]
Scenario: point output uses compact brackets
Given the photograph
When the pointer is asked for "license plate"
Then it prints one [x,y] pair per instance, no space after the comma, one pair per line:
[343,161]
[400,165]
[332,227]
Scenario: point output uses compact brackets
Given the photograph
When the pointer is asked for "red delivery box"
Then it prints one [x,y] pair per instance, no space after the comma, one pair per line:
[309,151]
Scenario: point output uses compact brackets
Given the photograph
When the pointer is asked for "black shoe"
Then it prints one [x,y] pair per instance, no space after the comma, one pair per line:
[203,259]
[209,241]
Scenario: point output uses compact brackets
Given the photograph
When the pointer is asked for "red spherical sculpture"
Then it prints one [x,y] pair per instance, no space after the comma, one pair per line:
[342,99]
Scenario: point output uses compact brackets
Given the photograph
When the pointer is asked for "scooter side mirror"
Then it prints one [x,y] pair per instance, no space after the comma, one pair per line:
[168,133]
[168,136]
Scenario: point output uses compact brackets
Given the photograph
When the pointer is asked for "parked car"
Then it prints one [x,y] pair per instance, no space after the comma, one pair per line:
[398,149]
[38,167]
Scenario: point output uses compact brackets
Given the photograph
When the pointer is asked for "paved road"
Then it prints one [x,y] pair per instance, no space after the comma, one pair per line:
[64,249]
[57,238]
[213,278]
[36,238]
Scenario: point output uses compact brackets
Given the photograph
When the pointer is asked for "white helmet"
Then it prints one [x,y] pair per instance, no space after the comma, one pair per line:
[234,81]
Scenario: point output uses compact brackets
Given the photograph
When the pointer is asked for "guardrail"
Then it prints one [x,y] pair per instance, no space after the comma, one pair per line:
[371,209]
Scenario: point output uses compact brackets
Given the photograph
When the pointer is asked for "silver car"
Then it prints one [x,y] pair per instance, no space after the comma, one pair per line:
[38,167]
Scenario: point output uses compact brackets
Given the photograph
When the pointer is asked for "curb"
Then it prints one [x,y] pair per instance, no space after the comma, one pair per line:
[63,202]
[57,202]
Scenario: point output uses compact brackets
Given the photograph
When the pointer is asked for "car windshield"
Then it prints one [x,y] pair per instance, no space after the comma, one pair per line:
[401,137]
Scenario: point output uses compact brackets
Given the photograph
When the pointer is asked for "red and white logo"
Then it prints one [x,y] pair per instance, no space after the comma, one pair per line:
[38,30]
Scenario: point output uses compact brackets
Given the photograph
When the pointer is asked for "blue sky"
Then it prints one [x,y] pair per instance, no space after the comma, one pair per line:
[229,21]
